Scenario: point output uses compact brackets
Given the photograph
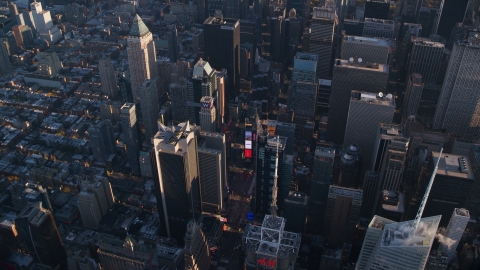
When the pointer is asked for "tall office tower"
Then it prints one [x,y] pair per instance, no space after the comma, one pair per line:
[371,193]
[389,155]
[371,50]
[35,225]
[413,95]
[341,7]
[296,210]
[471,18]
[94,200]
[323,25]
[196,250]
[48,63]
[6,66]
[379,9]
[179,97]
[44,24]
[323,96]
[203,83]
[172,37]
[409,30]
[453,182]
[458,110]
[341,215]
[178,197]
[10,43]
[347,77]
[125,87]
[456,226]
[378,28]
[293,28]
[23,36]
[474,193]
[147,93]
[366,111]
[392,205]
[222,81]
[266,152]
[12,7]
[387,245]
[115,253]
[222,47]
[232,9]
[141,55]
[102,140]
[425,59]
[208,114]
[297,6]
[128,118]
[321,181]
[212,166]
[304,85]
[277,39]
[108,77]
[429,17]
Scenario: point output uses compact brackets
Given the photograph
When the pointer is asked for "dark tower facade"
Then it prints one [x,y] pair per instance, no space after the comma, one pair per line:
[348,167]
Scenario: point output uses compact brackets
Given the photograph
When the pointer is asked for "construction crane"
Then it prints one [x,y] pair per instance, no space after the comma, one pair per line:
[413,230]
[273,206]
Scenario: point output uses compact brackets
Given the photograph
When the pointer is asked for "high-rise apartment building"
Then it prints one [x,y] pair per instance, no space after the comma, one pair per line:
[426,59]
[323,25]
[266,153]
[377,28]
[341,216]
[455,229]
[203,83]
[321,181]
[147,93]
[102,140]
[366,111]
[208,114]
[44,24]
[178,197]
[347,77]
[413,95]
[108,77]
[222,47]
[94,200]
[371,193]
[304,86]
[115,253]
[141,55]
[458,110]
[379,9]
[37,228]
[128,118]
[296,210]
[389,155]
[48,63]
[370,50]
[387,244]
[179,97]
[196,251]
[212,166]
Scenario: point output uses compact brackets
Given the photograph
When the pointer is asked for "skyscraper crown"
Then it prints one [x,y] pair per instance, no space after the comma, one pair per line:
[138,29]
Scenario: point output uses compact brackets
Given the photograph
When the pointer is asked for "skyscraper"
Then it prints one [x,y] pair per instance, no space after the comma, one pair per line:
[371,193]
[172,35]
[371,50]
[323,24]
[48,63]
[23,36]
[102,140]
[179,97]
[378,28]
[389,155]
[44,24]
[208,114]
[203,83]
[277,40]
[458,110]
[116,253]
[425,59]
[141,55]
[341,216]
[456,226]
[94,200]
[296,209]
[347,77]
[196,250]
[222,47]
[348,168]
[365,112]
[321,181]
[413,94]
[178,197]
[36,227]
[108,77]
[378,9]
[387,245]
[128,118]
[5,59]
[304,85]
[147,93]
[474,193]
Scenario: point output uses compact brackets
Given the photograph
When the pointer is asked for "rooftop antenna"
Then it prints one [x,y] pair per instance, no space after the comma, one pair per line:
[273,206]
[413,230]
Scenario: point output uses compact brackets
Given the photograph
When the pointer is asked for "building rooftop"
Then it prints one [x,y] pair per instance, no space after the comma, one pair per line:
[356,194]
[373,20]
[373,98]
[393,201]
[359,64]
[272,142]
[453,165]
[426,42]
[297,198]
[462,212]
[324,152]
[306,56]
[375,41]
[397,234]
